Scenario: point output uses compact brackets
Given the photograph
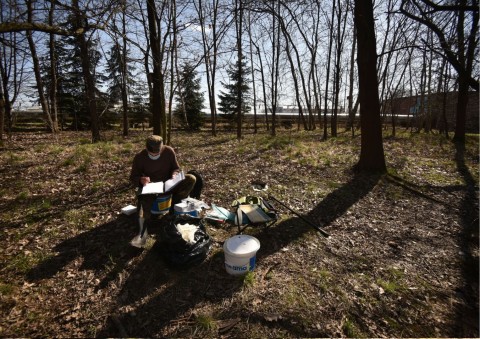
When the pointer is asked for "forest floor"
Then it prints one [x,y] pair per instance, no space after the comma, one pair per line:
[401,259]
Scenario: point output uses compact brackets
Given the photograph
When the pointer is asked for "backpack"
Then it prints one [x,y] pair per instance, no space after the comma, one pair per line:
[197,189]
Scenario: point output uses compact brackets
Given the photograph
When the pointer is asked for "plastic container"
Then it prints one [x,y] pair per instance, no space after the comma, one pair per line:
[240,254]
[162,204]
[185,209]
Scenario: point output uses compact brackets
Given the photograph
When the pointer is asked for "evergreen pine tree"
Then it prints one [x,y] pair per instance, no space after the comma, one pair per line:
[228,100]
[113,73]
[139,108]
[71,87]
[190,99]
[114,78]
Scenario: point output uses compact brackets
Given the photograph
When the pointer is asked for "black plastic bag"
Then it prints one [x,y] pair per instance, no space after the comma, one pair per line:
[179,253]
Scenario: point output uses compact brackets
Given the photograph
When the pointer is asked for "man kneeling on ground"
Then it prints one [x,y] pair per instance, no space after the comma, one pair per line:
[157,162]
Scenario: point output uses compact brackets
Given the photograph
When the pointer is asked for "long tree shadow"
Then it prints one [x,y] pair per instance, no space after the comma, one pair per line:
[155,296]
[467,313]
[338,202]
[101,246]
[175,291]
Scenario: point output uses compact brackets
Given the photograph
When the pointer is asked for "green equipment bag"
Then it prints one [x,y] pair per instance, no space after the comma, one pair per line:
[254,210]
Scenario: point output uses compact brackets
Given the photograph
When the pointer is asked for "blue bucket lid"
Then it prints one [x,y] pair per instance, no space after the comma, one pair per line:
[242,244]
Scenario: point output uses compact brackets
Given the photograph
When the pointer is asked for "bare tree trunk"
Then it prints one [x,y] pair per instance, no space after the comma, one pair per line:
[38,79]
[264,89]
[53,72]
[253,74]
[316,95]
[239,28]
[316,80]
[318,99]
[2,112]
[87,74]
[327,80]
[421,113]
[174,69]
[158,95]
[8,114]
[462,102]
[275,67]
[210,58]
[395,90]
[288,38]
[213,67]
[12,65]
[441,124]
[338,61]
[372,157]
[146,53]
[3,97]
[428,111]
[295,83]
[351,113]
[124,72]
[444,102]
[465,59]
[310,84]
[89,89]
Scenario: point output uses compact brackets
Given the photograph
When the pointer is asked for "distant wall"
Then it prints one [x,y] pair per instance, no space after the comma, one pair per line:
[433,108]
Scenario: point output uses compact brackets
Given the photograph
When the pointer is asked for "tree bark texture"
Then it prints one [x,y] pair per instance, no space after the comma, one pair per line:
[372,157]
[87,74]
[156,76]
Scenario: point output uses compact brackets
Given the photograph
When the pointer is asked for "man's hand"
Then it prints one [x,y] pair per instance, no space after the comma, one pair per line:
[144,180]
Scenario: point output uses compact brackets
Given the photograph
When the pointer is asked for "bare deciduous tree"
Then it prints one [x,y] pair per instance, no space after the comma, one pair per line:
[459,49]
[372,157]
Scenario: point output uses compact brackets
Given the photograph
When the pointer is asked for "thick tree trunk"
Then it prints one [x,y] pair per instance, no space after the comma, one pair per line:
[372,157]
[255,129]
[157,104]
[275,68]
[462,101]
[87,75]
[124,73]
[2,113]
[465,58]
[89,89]
[239,22]
[327,80]
[338,60]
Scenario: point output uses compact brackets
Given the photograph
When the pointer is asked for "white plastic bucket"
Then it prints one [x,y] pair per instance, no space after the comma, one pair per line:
[240,254]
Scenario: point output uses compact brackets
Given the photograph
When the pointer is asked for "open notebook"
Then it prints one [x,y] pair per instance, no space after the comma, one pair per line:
[162,187]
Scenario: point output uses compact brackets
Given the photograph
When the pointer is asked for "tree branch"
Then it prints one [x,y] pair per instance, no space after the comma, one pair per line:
[6,27]
[449,8]
[449,54]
